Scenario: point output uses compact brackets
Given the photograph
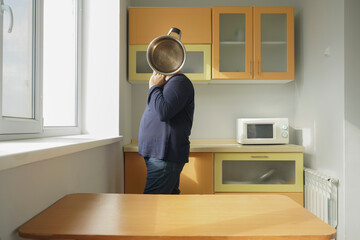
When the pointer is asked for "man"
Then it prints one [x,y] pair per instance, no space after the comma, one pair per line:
[164,131]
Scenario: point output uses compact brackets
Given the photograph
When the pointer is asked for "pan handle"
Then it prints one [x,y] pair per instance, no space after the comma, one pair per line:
[175,30]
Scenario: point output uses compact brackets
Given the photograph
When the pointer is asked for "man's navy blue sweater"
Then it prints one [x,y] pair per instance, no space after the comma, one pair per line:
[166,124]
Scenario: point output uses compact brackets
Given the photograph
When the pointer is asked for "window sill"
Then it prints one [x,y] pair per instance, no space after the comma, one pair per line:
[20,152]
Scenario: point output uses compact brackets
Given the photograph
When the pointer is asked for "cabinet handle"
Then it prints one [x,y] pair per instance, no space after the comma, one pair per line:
[258,66]
[250,67]
[260,156]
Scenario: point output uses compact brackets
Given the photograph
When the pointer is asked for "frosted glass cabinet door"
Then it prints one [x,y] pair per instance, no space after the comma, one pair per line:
[274,42]
[232,42]
[258,172]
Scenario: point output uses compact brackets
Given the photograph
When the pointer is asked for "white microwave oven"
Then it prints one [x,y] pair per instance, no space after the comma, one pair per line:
[262,130]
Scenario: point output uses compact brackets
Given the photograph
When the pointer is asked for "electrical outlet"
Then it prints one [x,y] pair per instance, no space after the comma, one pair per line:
[306,138]
[327,52]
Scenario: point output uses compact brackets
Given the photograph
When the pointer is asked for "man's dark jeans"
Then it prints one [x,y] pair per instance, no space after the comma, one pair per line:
[162,177]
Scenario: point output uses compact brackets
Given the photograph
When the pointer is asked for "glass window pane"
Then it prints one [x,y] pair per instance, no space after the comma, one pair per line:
[232,43]
[273,43]
[59,63]
[17,74]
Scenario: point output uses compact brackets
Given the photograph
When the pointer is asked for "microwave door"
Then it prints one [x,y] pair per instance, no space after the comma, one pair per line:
[260,131]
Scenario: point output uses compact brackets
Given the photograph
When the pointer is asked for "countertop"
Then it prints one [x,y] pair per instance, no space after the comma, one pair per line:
[227,145]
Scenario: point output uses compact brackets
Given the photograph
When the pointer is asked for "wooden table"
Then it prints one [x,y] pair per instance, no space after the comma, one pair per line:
[215,217]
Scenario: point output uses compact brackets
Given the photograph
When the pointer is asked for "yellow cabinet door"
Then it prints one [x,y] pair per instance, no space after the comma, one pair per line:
[232,46]
[258,172]
[197,65]
[196,177]
[145,24]
[274,43]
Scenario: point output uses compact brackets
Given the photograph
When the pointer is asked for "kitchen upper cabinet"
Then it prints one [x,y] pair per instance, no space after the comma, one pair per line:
[145,24]
[197,66]
[232,43]
[274,43]
[253,43]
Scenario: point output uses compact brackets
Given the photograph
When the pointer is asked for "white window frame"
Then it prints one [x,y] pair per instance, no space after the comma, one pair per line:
[18,128]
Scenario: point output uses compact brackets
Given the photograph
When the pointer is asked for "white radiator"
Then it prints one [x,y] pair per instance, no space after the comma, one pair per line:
[321,196]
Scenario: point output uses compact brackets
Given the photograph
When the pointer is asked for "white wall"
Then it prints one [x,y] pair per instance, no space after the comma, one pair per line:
[320,81]
[352,118]
[27,190]
[320,89]
[101,61]
[125,121]
[218,106]
[125,86]
[106,92]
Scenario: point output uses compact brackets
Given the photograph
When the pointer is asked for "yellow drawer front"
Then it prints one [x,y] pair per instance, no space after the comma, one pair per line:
[140,71]
[269,165]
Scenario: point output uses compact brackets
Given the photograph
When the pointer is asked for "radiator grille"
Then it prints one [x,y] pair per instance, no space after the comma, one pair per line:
[321,196]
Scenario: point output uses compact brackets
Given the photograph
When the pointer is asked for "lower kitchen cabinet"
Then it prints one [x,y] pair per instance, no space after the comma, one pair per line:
[196,177]
[260,172]
[242,169]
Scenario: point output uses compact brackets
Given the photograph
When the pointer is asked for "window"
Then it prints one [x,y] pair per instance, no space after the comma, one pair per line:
[39,61]
[19,68]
